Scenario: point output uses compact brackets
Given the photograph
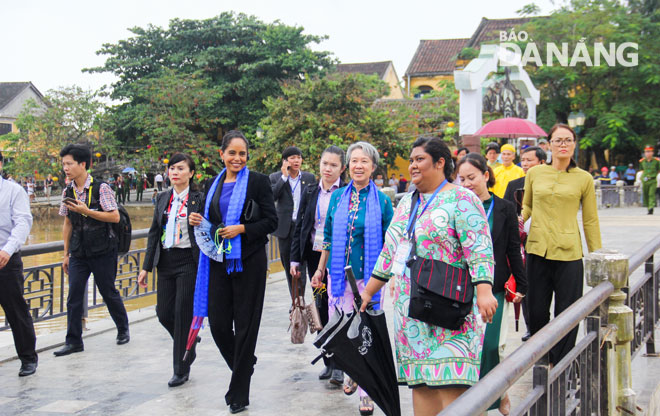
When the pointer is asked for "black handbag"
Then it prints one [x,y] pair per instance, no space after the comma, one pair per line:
[440,294]
[252,212]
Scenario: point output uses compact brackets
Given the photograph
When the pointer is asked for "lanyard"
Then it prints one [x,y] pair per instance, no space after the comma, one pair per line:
[490,209]
[293,190]
[89,197]
[183,204]
[412,221]
[318,208]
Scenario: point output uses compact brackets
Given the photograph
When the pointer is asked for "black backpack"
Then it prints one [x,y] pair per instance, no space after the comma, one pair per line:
[123,229]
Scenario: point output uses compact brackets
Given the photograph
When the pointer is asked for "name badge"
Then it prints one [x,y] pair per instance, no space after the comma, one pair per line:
[318,240]
[401,257]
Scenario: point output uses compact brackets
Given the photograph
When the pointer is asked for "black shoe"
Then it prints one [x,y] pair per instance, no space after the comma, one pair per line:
[69,349]
[236,408]
[123,338]
[177,380]
[337,378]
[527,336]
[651,211]
[326,373]
[27,369]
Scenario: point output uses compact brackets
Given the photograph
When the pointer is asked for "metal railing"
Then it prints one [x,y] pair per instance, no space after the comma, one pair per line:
[45,289]
[580,384]
[619,195]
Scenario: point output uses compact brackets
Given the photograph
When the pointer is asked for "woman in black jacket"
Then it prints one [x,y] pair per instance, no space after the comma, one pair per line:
[308,236]
[171,247]
[477,176]
[242,213]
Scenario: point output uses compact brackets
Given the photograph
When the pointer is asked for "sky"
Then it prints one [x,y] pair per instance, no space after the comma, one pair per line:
[49,42]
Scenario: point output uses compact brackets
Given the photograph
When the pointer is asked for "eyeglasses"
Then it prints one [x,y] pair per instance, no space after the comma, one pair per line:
[559,142]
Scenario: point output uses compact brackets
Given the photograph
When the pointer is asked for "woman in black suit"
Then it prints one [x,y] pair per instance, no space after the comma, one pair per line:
[477,176]
[236,286]
[308,236]
[171,247]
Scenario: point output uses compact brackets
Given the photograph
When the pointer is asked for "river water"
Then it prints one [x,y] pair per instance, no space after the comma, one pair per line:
[47,226]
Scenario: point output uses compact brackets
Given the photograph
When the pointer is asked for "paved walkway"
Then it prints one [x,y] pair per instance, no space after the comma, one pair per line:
[108,379]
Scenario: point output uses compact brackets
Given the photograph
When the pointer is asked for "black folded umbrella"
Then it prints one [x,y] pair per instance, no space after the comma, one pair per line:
[359,342]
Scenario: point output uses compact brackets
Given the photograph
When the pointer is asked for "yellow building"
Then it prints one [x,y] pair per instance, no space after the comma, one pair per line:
[436,59]
[385,71]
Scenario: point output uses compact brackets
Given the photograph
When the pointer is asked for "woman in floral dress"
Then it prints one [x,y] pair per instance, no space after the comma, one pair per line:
[438,364]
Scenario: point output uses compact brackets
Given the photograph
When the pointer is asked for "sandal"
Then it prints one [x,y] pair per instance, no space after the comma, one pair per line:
[350,386]
[366,406]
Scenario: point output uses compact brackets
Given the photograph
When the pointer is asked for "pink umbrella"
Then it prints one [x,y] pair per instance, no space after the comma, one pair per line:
[510,128]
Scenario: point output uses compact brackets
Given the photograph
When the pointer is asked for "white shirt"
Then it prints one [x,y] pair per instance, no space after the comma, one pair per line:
[158,178]
[295,191]
[15,216]
[184,241]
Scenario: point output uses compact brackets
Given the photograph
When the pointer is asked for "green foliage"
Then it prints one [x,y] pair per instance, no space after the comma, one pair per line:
[238,60]
[316,113]
[530,9]
[70,115]
[468,53]
[620,102]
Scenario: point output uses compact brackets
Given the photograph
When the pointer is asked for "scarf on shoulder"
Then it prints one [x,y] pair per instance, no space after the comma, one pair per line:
[373,239]
[232,259]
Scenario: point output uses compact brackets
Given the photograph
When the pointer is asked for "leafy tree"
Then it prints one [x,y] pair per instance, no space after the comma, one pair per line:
[316,113]
[620,102]
[71,115]
[241,60]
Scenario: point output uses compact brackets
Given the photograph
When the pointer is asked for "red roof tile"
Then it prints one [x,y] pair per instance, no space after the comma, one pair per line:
[435,57]
[367,68]
[489,30]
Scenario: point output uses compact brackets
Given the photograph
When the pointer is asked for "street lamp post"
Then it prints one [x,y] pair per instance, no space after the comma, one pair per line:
[576,122]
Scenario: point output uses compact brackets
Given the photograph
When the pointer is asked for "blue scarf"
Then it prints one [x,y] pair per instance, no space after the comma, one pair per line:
[373,239]
[232,259]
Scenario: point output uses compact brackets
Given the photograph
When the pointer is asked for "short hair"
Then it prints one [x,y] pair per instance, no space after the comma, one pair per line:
[572,163]
[540,153]
[367,148]
[461,149]
[438,149]
[493,146]
[291,151]
[179,157]
[479,162]
[79,152]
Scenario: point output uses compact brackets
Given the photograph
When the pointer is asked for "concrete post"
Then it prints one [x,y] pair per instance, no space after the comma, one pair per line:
[599,194]
[612,266]
[622,193]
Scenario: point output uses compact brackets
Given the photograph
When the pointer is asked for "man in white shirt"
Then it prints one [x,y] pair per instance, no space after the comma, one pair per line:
[15,224]
[159,181]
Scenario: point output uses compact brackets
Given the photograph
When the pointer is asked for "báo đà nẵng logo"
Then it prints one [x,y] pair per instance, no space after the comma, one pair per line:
[564,54]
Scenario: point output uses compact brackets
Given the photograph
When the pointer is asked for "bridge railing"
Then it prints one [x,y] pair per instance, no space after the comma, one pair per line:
[45,288]
[594,378]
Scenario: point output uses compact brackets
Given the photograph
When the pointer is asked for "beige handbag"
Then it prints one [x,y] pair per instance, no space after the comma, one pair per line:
[298,321]
[313,317]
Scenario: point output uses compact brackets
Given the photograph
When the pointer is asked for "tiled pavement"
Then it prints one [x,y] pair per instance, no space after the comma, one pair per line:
[126,380]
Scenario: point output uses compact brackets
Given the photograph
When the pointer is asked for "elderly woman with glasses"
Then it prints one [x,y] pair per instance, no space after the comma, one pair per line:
[356,222]
[553,195]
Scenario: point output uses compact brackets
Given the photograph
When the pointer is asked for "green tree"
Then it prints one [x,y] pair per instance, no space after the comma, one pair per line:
[316,113]
[620,102]
[241,60]
[71,115]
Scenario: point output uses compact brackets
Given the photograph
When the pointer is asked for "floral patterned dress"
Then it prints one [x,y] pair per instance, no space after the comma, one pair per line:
[453,229]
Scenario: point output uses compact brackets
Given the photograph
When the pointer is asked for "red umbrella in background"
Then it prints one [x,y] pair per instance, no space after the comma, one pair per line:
[510,128]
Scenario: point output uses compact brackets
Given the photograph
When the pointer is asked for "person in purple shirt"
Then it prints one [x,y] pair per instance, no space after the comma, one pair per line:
[307,241]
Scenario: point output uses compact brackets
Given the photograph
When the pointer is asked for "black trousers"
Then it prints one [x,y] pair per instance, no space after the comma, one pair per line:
[320,299]
[565,280]
[177,272]
[104,268]
[235,305]
[285,258]
[16,309]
